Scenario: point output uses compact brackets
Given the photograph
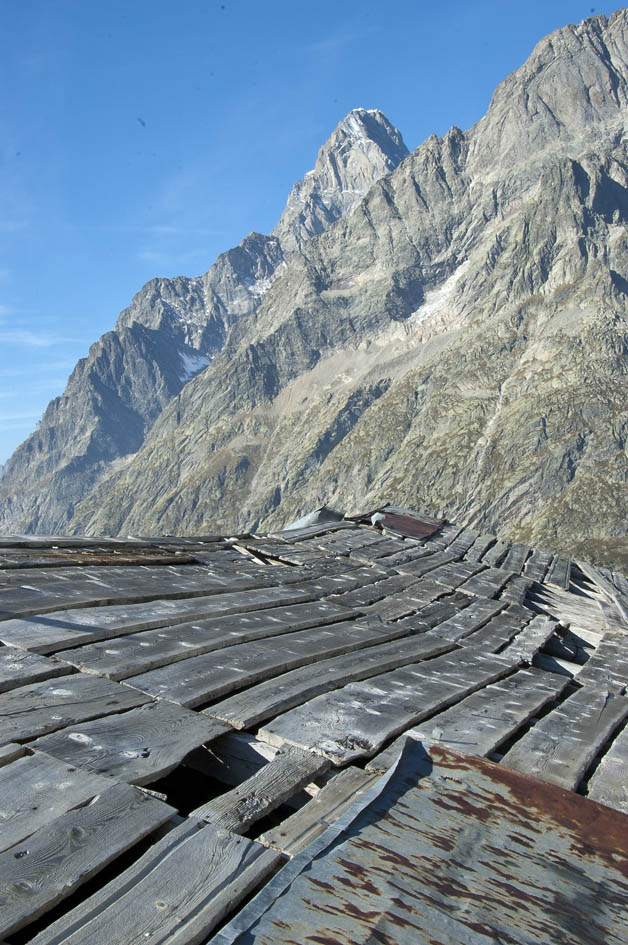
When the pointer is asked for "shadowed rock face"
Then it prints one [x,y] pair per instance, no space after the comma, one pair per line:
[456,340]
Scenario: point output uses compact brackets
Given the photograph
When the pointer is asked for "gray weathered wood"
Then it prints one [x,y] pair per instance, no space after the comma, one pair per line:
[69,628]
[484,720]
[559,572]
[20,668]
[611,591]
[494,556]
[479,547]
[208,677]
[36,789]
[561,746]
[471,618]
[137,746]
[59,858]
[531,639]
[11,752]
[516,557]
[44,707]
[289,771]
[498,632]
[353,722]
[537,564]
[267,699]
[137,653]
[454,574]
[487,583]
[308,823]
[609,784]
[175,894]
[607,667]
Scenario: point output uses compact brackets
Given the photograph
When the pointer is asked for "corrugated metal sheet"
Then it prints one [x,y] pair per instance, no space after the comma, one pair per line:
[453,850]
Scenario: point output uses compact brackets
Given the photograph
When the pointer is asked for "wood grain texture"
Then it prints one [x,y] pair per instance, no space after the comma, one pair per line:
[478,724]
[175,894]
[308,823]
[20,668]
[289,771]
[36,789]
[66,629]
[59,858]
[275,696]
[561,746]
[46,706]
[531,639]
[609,783]
[353,722]
[137,746]
[607,667]
[137,653]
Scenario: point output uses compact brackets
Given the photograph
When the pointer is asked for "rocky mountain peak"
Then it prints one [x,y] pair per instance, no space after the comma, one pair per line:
[363,147]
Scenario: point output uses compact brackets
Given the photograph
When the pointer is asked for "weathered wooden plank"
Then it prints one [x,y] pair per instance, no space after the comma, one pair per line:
[454,574]
[559,572]
[607,667]
[531,639]
[59,858]
[353,722]
[267,699]
[232,758]
[471,618]
[487,583]
[537,564]
[494,556]
[289,771]
[20,668]
[427,563]
[516,590]
[562,745]
[175,894]
[370,593]
[609,589]
[139,746]
[516,557]
[580,611]
[36,789]
[308,823]
[140,652]
[498,632]
[484,720]
[11,752]
[479,547]
[208,677]
[609,784]
[70,628]
[44,707]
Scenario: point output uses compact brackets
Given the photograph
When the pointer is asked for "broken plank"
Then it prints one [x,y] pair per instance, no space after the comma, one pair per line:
[324,809]
[44,707]
[36,789]
[176,893]
[537,565]
[21,668]
[607,667]
[353,722]
[140,652]
[484,720]
[531,639]
[289,771]
[560,747]
[494,556]
[270,698]
[59,858]
[139,746]
[70,628]
[609,784]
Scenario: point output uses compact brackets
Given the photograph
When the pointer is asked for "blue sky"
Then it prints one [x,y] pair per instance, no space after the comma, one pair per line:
[144,137]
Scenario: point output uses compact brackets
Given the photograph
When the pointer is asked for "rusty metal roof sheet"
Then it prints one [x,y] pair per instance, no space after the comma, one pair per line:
[451,849]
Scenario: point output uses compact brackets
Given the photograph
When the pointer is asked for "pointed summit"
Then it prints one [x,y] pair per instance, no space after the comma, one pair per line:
[363,147]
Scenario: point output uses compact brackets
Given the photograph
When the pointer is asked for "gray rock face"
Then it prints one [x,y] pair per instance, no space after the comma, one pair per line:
[457,342]
[171,331]
[363,148]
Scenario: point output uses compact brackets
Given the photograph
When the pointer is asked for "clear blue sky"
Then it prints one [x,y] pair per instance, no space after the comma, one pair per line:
[144,137]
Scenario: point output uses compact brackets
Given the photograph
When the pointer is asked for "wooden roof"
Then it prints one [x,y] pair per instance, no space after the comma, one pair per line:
[188,721]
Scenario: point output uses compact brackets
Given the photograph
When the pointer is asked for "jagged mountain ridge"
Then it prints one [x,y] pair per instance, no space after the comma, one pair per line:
[458,341]
[170,331]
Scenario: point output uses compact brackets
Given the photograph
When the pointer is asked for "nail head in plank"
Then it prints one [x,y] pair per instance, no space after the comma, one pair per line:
[57,859]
